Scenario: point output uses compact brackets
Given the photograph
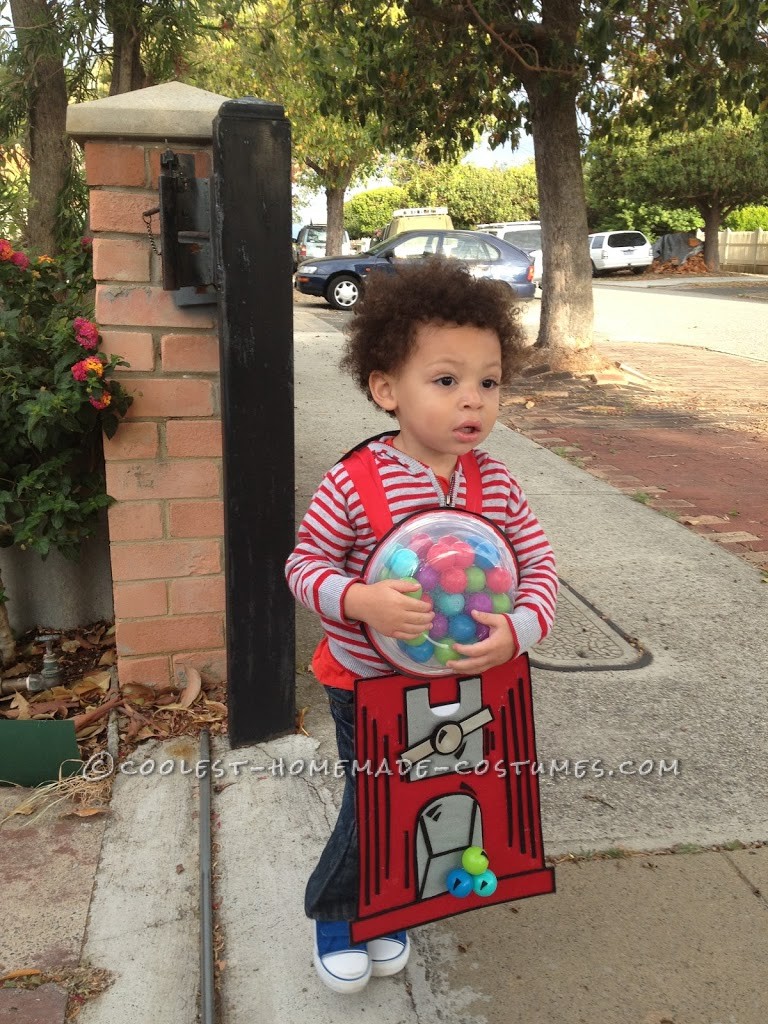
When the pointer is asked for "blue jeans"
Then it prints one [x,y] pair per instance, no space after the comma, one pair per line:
[331,893]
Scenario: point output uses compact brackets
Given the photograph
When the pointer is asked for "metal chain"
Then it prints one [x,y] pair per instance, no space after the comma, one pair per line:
[147,218]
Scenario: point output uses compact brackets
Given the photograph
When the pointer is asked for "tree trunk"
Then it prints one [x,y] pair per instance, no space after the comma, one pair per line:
[566,301]
[712,215]
[7,642]
[49,146]
[334,195]
[127,71]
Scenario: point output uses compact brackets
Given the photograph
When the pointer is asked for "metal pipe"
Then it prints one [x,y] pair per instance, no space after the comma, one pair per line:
[206,894]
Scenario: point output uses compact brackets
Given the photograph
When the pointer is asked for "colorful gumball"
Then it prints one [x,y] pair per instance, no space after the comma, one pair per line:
[499,580]
[448,604]
[483,632]
[474,860]
[413,593]
[420,543]
[403,563]
[464,554]
[444,651]
[462,629]
[453,581]
[439,626]
[427,577]
[501,603]
[485,884]
[486,553]
[423,652]
[422,638]
[459,883]
[475,579]
[478,603]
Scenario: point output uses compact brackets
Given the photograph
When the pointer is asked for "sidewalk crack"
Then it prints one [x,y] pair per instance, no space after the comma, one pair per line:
[762,896]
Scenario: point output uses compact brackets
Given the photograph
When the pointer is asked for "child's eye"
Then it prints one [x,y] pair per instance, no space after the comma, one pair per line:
[489,384]
[445,381]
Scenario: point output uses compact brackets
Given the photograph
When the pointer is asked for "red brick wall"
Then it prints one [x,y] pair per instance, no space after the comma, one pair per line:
[164,463]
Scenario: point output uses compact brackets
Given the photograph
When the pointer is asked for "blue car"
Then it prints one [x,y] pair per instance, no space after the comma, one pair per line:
[339,279]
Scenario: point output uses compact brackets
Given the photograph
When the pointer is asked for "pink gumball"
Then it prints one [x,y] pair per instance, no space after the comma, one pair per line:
[478,603]
[421,543]
[482,632]
[499,580]
[439,555]
[453,581]
[427,600]
[464,554]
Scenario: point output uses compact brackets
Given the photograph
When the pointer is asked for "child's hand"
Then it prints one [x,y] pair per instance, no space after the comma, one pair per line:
[387,608]
[494,650]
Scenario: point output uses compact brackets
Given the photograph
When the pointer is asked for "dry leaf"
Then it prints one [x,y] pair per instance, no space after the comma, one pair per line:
[21,704]
[137,691]
[85,812]
[22,669]
[25,972]
[193,687]
[108,657]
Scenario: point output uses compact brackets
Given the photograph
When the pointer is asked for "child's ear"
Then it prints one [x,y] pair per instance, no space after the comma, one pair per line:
[382,390]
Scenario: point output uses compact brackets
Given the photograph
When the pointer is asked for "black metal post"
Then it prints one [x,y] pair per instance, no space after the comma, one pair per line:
[251,164]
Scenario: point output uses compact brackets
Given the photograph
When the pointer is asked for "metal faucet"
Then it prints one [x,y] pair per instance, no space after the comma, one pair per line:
[36,682]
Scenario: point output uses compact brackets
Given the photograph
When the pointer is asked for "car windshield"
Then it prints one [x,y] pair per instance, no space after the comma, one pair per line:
[316,235]
[529,239]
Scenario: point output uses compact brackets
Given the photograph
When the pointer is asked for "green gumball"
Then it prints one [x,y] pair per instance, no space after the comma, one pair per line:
[474,860]
[422,638]
[413,593]
[475,579]
[501,603]
[444,651]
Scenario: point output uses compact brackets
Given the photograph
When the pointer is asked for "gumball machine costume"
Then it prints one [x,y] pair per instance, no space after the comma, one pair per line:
[447,802]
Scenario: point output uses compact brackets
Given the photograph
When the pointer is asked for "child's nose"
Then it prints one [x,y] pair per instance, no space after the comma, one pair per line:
[472,397]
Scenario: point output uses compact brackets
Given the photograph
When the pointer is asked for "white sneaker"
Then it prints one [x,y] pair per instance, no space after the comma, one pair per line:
[343,965]
[389,954]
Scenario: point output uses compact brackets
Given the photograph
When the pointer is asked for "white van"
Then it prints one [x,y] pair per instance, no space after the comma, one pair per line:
[525,234]
[311,241]
[619,250]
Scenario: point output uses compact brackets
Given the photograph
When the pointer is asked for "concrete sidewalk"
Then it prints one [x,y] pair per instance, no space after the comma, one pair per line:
[679,938]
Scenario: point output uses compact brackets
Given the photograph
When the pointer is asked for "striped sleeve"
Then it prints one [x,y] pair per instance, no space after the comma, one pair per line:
[316,568]
[533,613]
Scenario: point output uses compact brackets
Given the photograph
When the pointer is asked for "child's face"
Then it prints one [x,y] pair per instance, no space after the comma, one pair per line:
[446,395]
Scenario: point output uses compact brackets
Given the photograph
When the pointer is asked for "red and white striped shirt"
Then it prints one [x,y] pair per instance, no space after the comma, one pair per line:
[335,540]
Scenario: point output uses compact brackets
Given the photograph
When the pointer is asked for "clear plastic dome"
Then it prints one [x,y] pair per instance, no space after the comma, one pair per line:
[462,563]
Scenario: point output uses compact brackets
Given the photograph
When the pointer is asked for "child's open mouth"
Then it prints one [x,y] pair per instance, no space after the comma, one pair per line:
[467,431]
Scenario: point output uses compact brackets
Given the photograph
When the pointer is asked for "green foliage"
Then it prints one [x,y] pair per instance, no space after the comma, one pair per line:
[476,195]
[367,211]
[56,397]
[724,165]
[652,219]
[748,218]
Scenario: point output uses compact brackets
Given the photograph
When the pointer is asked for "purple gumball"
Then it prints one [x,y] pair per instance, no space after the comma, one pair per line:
[439,626]
[478,603]
[482,632]
[427,577]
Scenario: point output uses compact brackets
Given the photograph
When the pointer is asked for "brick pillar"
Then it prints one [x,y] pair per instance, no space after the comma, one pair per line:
[164,463]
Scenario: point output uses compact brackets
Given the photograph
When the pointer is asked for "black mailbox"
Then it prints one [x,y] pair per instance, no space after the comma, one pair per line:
[186,233]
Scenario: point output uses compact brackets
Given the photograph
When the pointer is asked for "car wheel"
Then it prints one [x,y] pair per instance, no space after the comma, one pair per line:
[638,270]
[595,271]
[343,292]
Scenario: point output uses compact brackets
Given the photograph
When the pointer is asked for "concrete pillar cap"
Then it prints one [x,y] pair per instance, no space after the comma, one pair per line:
[172,111]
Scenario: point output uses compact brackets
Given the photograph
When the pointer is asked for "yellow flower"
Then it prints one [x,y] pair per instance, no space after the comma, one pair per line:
[45,259]
[94,364]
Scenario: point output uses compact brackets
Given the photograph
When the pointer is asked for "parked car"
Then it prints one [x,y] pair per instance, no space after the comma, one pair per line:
[417,218]
[311,241]
[619,250]
[525,234]
[339,279]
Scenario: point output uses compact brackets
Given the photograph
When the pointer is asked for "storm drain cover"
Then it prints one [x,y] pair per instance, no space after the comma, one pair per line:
[584,640]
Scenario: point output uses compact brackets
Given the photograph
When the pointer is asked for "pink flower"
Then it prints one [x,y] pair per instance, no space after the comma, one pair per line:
[80,370]
[6,250]
[87,334]
[86,242]
[101,403]
[21,260]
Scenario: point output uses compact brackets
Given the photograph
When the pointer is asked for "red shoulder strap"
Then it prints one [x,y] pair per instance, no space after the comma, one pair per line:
[363,471]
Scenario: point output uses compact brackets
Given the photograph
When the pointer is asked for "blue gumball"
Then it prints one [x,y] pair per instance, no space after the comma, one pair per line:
[420,652]
[486,555]
[462,628]
[485,883]
[448,604]
[403,562]
[459,883]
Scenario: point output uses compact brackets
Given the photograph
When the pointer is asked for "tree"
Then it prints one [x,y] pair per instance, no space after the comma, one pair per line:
[262,53]
[476,195]
[51,57]
[714,170]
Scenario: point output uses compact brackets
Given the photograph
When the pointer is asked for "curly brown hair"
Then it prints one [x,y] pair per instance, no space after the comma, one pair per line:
[438,290]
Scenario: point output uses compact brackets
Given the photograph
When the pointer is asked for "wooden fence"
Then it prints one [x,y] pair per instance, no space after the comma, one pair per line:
[746,251]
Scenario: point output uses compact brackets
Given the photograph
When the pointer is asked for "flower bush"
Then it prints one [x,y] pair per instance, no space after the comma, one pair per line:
[57,395]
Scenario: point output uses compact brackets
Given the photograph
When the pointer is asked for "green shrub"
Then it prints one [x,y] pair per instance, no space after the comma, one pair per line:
[367,211]
[748,218]
[57,395]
